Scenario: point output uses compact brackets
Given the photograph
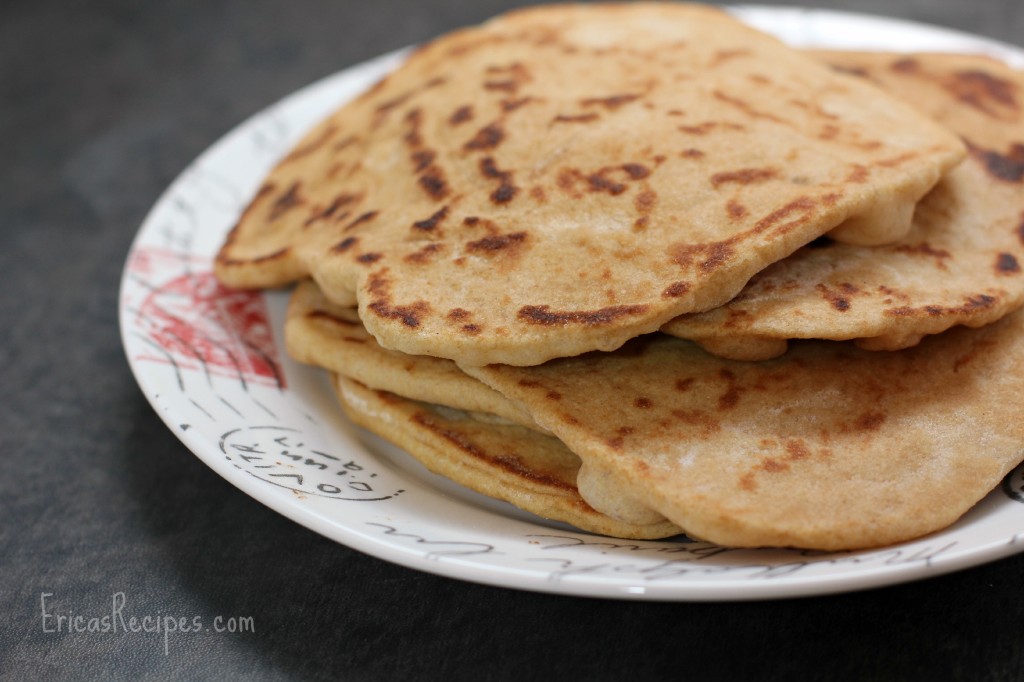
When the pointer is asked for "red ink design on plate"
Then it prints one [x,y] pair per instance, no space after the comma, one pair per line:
[201,324]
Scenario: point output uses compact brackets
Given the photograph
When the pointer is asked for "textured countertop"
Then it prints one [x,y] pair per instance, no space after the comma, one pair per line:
[102,104]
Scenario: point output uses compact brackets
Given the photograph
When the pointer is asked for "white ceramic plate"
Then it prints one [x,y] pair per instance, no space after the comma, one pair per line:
[211,363]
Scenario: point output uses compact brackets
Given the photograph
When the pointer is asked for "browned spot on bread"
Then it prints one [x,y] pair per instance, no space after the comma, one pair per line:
[369,257]
[645,200]
[684,385]
[801,204]
[513,104]
[828,132]
[1020,229]
[699,129]
[461,115]
[431,223]
[410,315]
[707,256]
[344,245]
[599,182]
[311,146]
[342,144]
[364,218]
[471,329]
[731,396]
[850,70]
[414,119]
[543,315]
[747,482]
[379,285]
[604,180]
[722,56]
[636,171]
[735,209]
[387,106]
[905,65]
[738,317]
[773,466]
[796,449]
[870,421]
[615,443]
[576,118]
[643,403]
[431,179]
[497,243]
[434,183]
[458,314]
[1008,167]
[1006,264]
[675,290]
[488,137]
[507,78]
[983,91]
[698,418]
[506,190]
[858,174]
[422,159]
[748,108]
[338,202]
[970,355]
[566,181]
[287,201]
[744,176]
[612,102]
[971,304]
[838,300]
[691,154]
[508,461]
[925,249]
[537,192]
[425,254]
[553,395]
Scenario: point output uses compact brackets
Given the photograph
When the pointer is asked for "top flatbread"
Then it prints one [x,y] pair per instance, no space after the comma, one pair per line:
[961,262]
[565,178]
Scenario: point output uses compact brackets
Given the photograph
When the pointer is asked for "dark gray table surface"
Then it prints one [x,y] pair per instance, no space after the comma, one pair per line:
[102,104]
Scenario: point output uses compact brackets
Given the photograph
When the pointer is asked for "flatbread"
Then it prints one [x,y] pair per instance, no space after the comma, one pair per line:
[565,178]
[962,261]
[332,337]
[828,447]
[319,333]
[452,423]
[508,462]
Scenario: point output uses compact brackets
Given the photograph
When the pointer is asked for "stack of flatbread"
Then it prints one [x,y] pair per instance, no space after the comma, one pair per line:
[647,271]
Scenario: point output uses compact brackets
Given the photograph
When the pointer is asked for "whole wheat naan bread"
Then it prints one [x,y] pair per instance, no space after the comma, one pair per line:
[961,262]
[322,334]
[532,471]
[452,423]
[564,178]
[828,447]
